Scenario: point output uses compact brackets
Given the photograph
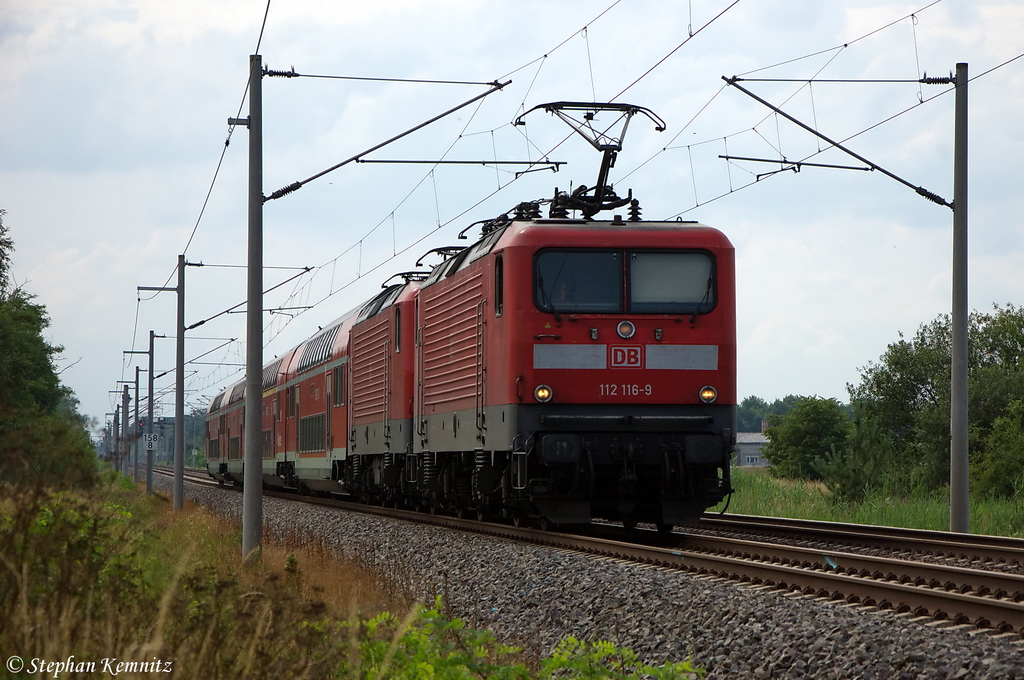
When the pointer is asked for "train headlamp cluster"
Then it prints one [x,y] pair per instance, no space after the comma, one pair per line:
[543,393]
[708,394]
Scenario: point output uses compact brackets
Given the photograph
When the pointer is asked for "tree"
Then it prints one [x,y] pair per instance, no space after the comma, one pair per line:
[854,469]
[999,470]
[42,437]
[26,359]
[809,431]
[6,246]
[749,414]
[908,393]
[753,410]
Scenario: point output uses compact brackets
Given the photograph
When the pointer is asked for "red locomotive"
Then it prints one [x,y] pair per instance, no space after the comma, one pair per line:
[558,369]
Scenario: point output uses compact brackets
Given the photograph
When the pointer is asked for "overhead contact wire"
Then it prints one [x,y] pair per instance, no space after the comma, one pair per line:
[563,43]
[676,49]
[360,274]
[216,172]
[500,187]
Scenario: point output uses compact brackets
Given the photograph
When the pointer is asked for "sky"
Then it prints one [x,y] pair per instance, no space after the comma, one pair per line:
[116,156]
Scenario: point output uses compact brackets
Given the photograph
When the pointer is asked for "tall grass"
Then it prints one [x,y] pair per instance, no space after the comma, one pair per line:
[115,575]
[118,575]
[758,493]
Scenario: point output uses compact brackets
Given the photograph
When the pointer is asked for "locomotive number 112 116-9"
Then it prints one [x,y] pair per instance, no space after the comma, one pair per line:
[625,390]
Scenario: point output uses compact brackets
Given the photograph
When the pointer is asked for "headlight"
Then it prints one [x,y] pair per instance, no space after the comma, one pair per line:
[625,329]
[543,393]
[708,394]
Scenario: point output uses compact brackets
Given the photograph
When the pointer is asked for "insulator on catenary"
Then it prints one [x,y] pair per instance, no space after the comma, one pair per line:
[949,80]
[281,74]
[294,186]
[934,198]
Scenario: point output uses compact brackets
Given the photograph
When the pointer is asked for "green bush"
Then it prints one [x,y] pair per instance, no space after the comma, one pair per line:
[426,644]
[807,432]
[855,468]
[999,470]
[68,572]
[46,451]
[573,658]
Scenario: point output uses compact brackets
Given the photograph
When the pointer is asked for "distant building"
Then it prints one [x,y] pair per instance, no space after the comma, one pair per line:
[748,449]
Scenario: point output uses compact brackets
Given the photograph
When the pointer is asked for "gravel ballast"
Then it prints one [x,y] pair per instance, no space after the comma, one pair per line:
[535,594]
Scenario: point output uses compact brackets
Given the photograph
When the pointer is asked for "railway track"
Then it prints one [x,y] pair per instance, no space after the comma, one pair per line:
[952,593]
[973,549]
[194,476]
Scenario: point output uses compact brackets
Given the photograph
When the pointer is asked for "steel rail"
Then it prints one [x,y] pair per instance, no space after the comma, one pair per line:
[941,543]
[984,611]
[948,577]
[988,600]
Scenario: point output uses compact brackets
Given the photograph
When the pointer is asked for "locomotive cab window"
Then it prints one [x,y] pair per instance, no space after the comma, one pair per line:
[637,282]
[586,281]
[671,283]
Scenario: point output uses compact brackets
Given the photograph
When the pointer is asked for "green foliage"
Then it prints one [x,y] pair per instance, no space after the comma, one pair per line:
[42,437]
[908,392]
[92,576]
[425,644]
[26,359]
[574,658]
[809,431]
[1000,468]
[46,450]
[851,471]
[888,504]
[749,414]
[6,246]
[65,562]
[753,410]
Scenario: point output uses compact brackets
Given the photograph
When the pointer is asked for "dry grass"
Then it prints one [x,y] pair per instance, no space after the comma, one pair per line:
[118,577]
[122,575]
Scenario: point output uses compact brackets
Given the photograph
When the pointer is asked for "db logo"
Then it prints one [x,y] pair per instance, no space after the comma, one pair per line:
[627,357]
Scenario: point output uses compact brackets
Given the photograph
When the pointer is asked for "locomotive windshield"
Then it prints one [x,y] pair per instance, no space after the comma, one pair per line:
[670,283]
[579,281]
[638,282]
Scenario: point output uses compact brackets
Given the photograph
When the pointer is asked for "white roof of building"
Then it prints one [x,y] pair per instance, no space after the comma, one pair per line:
[751,438]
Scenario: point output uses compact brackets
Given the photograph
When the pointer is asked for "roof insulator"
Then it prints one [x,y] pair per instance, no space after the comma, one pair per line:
[634,210]
[527,211]
[559,205]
